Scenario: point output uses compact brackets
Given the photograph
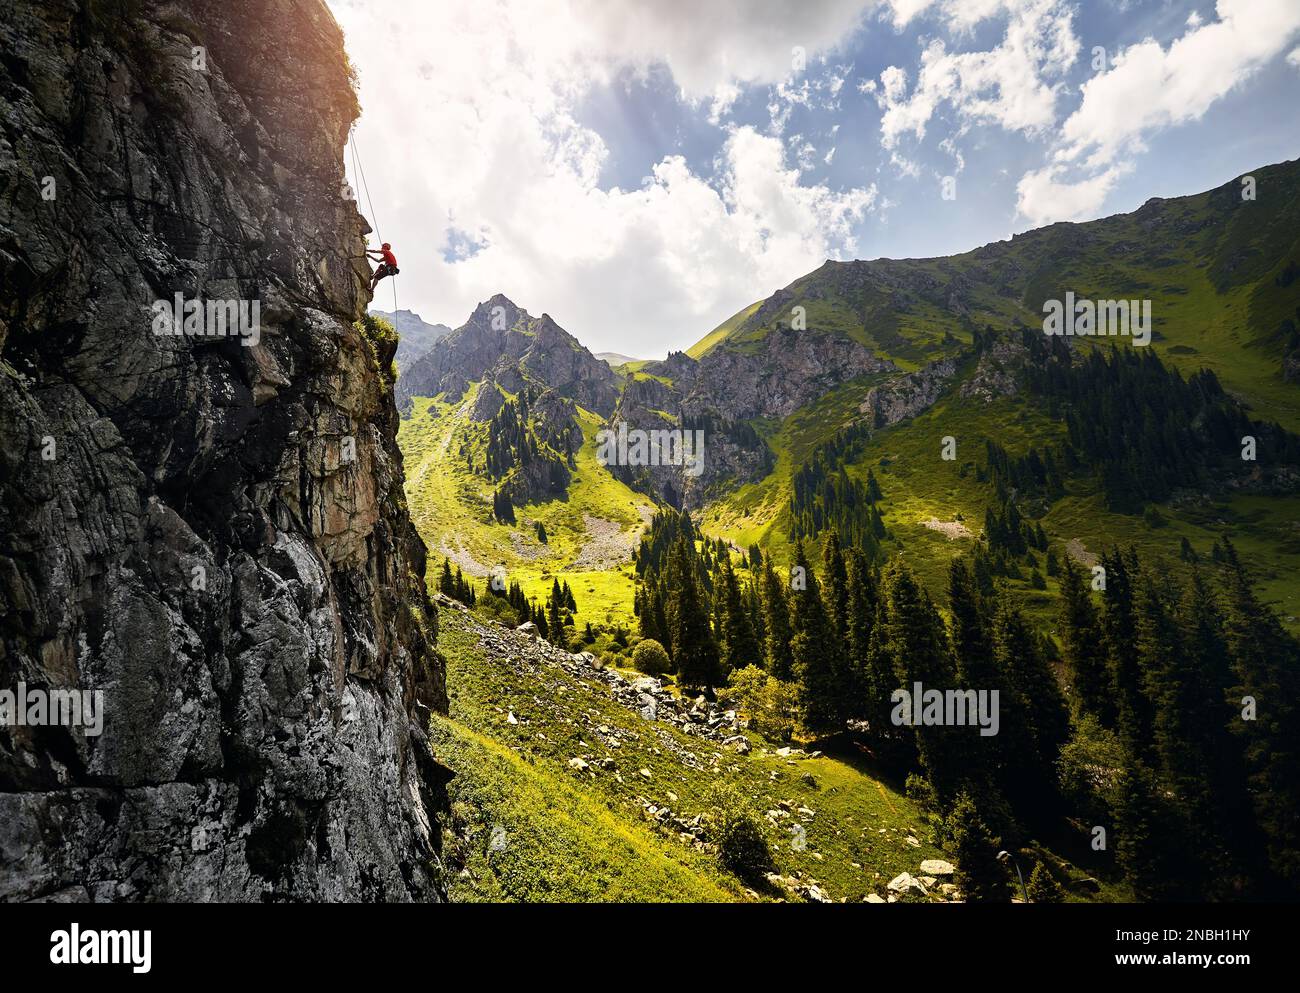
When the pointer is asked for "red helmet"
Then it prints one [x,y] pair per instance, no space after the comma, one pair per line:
[387,245]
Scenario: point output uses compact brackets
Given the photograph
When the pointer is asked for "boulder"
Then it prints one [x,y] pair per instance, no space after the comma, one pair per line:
[905,882]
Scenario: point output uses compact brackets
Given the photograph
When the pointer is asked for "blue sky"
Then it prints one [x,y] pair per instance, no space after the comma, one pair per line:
[642,170]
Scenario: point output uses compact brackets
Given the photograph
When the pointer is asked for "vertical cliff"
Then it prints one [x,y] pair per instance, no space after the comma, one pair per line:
[211,532]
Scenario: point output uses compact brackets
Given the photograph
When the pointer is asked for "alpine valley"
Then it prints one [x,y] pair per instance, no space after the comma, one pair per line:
[1107,531]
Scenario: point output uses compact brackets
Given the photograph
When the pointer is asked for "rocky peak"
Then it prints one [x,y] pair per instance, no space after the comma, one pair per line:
[500,334]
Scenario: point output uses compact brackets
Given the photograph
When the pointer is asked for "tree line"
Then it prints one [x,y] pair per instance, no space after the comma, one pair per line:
[1168,716]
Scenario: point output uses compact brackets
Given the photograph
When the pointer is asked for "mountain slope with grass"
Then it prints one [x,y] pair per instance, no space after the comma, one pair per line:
[915,409]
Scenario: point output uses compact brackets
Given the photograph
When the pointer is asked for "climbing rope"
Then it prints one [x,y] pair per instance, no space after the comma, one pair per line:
[361,174]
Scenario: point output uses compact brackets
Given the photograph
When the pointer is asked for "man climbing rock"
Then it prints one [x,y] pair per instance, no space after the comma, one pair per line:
[387,264]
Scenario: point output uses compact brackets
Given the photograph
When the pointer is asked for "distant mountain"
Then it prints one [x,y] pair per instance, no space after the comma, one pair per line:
[615,359]
[505,344]
[1220,269]
[416,337]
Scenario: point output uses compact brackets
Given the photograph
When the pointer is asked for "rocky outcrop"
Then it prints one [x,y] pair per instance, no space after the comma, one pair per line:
[504,338]
[720,393]
[909,395]
[210,531]
[415,336]
[781,373]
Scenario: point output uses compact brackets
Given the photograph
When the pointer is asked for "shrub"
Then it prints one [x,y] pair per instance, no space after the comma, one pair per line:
[769,703]
[649,657]
[738,834]
[1043,887]
[496,608]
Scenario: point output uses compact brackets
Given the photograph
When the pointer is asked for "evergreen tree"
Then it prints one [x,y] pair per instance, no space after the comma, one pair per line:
[1035,721]
[1147,834]
[893,744]
[979,876]
[695,653]
[835,594]
[859,618]
[776,613]
[555,625]
[918,646]
[1043,887]
[972,644]
[1266,663]
[1082,645]
[811,646]
[740,646]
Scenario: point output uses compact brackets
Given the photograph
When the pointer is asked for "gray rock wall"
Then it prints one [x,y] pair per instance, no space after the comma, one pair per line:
[213,535]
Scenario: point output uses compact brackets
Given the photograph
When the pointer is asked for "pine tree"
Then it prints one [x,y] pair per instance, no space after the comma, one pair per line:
[1082,645]
[892,744]
[740,646]
[1043,887]
[1035,720]
[776,612]
[1266,663]
[1147,834]
[1198,757]
[835,591]
[555,624]
[918,645]
[695,651]
[979,876]
[811,646]
[1121,631]
[982,759]
[860,616]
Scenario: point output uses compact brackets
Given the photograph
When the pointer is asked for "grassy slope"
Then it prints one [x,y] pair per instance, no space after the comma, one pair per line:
[582,835]
[919,485]
[1209,270]
[1215,305]
[452,509]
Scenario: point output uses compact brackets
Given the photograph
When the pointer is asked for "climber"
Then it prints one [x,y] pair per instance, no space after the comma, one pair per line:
[387,264]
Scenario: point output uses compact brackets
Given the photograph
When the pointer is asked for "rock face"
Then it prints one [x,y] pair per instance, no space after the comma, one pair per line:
[504,338]
[788,370]
[908,395]
[210,531]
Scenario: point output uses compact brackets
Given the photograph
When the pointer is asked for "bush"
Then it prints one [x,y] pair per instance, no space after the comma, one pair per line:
[496,608]
[769,703]
[1043,887]
[1088,766]
[738,834]
[649,657]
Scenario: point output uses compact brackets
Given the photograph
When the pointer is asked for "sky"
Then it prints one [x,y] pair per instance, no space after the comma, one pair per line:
[643,169]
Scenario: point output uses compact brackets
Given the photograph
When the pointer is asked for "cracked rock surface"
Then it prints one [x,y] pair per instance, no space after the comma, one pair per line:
[210,532]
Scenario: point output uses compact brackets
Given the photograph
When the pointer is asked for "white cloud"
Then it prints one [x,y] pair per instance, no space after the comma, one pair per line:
[473,149]
[1293,57]
[1014,85]
[905,10]
[1044,197]
[717,41]
[1150,87]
